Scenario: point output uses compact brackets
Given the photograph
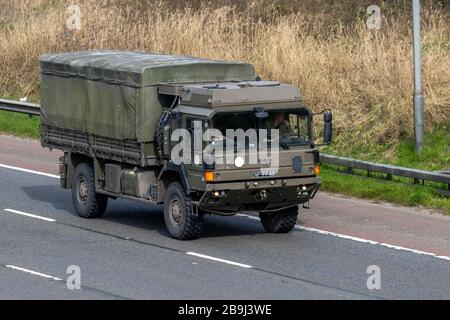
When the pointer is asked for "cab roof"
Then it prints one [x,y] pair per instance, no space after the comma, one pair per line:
[232,93]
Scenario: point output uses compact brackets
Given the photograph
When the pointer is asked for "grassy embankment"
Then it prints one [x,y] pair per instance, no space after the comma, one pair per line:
[324,48]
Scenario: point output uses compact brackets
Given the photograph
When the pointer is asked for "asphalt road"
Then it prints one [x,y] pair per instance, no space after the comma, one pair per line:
[128,255]
[414,228]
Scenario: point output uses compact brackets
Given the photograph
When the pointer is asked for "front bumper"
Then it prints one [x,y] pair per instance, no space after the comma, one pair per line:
[265,195]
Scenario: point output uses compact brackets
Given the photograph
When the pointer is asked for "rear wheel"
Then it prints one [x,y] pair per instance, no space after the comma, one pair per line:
[180,221]
[281,221]
[87,203]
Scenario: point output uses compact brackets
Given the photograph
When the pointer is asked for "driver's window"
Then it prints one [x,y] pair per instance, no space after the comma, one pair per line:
[303,127]
[293,122]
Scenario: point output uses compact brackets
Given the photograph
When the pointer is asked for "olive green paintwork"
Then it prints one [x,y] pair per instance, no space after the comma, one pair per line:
[240,186]
[114,93]
[116,96]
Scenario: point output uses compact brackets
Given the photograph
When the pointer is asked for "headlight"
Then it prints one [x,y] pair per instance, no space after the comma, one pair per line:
[239,162]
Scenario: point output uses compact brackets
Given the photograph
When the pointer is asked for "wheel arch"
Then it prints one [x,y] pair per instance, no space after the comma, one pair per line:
[72,160]
[169,174]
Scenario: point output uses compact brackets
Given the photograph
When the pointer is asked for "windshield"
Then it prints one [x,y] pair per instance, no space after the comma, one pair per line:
[293,126]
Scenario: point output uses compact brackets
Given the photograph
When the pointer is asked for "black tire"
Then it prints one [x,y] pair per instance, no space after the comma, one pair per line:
[281,221]
[87,203]
[180,221]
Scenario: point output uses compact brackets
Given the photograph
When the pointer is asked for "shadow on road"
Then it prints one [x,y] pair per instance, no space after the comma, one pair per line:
[140,215]
[60,199]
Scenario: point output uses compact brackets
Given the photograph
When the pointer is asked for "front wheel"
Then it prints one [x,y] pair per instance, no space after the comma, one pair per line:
[180,221]
[281,221]
[87,203]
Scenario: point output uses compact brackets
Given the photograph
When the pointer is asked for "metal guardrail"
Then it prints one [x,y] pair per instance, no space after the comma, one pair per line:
[389,170]
[350,164]
[32,109]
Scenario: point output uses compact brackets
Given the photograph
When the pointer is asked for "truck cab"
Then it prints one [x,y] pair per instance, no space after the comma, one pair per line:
[226,185]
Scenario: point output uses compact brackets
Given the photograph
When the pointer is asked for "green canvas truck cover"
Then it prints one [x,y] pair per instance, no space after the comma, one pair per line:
[114,93]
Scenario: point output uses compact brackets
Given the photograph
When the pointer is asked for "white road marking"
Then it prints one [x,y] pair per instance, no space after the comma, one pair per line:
[30,215]
[219,260]
[28,171]
[343,236]
[329,233]
[43,275]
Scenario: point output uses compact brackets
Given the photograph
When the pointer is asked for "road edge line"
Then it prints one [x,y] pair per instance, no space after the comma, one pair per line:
[29,171]
[362,240]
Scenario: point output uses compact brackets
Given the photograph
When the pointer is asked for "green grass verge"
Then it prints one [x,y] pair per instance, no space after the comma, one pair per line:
[399,190]
[436,156]
[19,124]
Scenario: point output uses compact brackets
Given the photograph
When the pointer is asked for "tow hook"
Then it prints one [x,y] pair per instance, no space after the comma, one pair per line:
[262,195]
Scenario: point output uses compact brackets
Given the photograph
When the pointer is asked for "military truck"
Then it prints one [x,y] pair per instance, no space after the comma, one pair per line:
[113,114]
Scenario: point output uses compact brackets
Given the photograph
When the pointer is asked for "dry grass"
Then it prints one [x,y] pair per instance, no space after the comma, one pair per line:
[325,49]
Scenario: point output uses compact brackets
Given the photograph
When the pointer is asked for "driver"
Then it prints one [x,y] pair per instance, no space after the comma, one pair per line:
[282,124]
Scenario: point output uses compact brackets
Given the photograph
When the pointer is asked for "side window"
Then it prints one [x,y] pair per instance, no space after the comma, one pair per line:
[303,129]
[293,122]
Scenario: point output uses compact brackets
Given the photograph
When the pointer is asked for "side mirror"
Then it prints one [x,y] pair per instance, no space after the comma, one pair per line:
[327,127]
[260,113]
